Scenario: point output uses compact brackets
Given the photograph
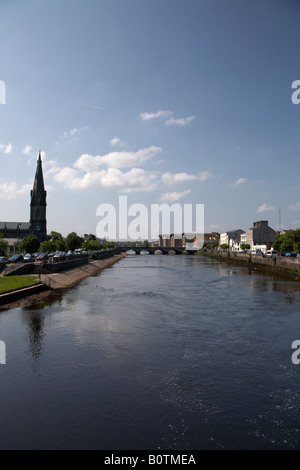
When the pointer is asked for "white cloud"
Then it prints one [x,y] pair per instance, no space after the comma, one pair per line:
[169,178]
[158,114]
[136,179]
[12,190]
[6,148]
[180,121]
[266,208]
[294,207]
[116,142]
[27,149]
[74,131]
[238,182]
[87,162]
[174,196]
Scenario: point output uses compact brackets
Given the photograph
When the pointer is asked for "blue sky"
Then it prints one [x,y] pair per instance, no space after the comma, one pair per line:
[163,100]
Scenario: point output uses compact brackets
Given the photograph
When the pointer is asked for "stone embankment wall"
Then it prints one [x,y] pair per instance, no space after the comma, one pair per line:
[18,294]
[61,266]
[277,263]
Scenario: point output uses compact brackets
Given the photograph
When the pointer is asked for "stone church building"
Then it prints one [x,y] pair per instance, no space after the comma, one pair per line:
[15,231]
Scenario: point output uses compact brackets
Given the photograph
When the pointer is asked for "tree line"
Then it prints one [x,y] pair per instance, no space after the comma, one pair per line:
[55,242]
[289,241]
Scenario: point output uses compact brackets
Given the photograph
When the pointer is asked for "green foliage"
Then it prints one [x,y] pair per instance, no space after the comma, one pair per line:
[245,246]
[290,241]
[224,246]
[89,237]
[60,245]
[30,244]
[73,241]
[48,246]
[91,245]
[56,236]
[3,247]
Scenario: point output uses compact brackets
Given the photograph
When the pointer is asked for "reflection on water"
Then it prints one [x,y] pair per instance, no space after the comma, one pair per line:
[167,352]
[35,329]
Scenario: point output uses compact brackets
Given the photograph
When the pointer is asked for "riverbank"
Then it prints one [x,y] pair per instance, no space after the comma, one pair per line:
[280,266]
[66,279]
[58,282]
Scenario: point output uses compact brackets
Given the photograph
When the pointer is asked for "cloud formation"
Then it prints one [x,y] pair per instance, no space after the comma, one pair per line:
[174,196]
[116,142]
[169,178]
[158,114]
[266,208]
[168,116]
[74,131]
[180,121]
[6,148]
[136,179]
[294,207]
[238,182]
[13,191]
[87,162]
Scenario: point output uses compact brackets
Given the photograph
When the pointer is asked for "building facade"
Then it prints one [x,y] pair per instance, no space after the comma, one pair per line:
[261,234]
[232,239]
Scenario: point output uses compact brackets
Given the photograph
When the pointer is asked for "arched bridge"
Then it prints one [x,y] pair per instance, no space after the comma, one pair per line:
[164,249]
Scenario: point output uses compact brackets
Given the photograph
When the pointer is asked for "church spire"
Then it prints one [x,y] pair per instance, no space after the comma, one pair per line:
[38,194]
[38,204]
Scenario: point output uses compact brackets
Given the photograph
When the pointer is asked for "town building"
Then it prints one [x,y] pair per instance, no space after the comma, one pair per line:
[261,234]
[13,232]
[232,238]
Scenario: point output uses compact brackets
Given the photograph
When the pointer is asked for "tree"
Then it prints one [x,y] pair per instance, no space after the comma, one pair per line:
[73,241]
[89,237]
[245,246]
[56,236]
[48,246]
[3,245]
[224,246]
[30,244]
[290,241]
[60,245]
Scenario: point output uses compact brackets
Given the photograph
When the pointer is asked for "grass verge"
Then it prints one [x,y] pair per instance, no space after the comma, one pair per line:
[16,282]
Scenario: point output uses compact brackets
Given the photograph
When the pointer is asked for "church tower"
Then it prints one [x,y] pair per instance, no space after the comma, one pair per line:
[38,222]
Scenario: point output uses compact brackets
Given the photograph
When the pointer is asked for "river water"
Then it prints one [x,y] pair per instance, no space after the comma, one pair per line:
[156,352]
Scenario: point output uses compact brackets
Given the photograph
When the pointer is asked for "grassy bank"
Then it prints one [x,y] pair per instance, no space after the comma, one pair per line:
[16,282]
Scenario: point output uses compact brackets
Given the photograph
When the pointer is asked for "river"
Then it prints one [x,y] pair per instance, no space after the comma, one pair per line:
[156,352]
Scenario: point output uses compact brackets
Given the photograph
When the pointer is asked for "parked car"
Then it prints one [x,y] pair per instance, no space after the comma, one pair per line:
[42,257]
[271,253]
[3,259]
[59,256]
[291,254]
[255,251]
[15,259]
[28,258]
